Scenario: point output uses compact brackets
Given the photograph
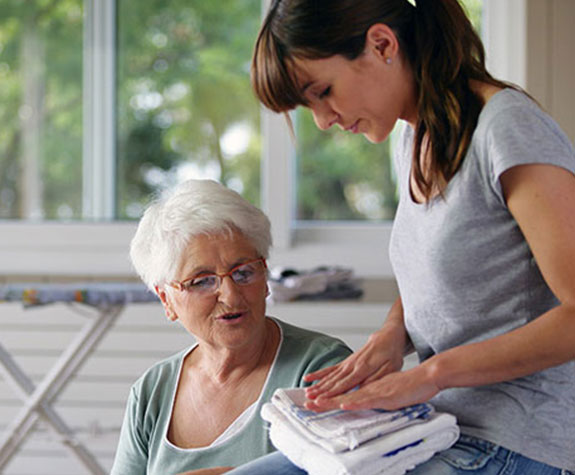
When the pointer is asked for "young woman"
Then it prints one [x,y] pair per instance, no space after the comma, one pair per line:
[483,243]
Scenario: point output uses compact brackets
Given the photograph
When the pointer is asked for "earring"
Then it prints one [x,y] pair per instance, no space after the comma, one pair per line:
[387,60]
[171,315]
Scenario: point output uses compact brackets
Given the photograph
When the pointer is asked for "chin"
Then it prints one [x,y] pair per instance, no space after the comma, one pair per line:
[375,139]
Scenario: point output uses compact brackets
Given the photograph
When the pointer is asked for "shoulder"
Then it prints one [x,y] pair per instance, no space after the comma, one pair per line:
[513,130]
[295,337]
[303,347]
[159,377]
[304,351]
[513,113]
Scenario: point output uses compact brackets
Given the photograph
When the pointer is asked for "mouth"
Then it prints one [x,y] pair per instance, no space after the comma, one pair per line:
[231,316]
[353,128]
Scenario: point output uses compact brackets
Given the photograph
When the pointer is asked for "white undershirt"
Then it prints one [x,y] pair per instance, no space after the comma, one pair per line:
[237,425]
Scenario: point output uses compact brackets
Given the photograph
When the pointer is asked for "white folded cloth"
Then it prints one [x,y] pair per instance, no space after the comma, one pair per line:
[339,430]
[391,454]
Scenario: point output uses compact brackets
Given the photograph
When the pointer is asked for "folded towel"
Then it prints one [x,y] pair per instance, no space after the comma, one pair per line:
[392,454]
[356,442]
[338,430]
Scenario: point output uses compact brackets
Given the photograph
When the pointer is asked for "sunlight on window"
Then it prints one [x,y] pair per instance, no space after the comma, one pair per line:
[236,139]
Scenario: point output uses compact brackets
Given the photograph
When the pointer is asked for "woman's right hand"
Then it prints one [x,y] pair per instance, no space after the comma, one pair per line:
[382,354]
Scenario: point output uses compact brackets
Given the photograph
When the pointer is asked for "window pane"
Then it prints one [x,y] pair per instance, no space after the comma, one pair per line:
[344,177]
[185,105]
[341,176]
[41,109]
[474,9]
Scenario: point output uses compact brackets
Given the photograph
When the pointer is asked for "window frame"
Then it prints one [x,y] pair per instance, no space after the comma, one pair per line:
[100,247]
[99,100]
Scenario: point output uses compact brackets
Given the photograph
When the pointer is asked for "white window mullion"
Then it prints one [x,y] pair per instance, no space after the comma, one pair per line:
[278,181]
[99,109]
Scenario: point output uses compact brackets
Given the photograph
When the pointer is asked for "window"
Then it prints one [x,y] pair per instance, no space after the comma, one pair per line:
[185,106]
[164,121]
[182,105]
[341,177]
[41,109]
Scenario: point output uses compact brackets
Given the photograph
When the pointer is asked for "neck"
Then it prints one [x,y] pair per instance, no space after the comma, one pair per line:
[225,365]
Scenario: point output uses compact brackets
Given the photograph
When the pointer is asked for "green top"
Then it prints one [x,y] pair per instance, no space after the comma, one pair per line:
[144,447]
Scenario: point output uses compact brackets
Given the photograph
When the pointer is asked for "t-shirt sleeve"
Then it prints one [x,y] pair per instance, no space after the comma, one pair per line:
[132,452]
[524,134]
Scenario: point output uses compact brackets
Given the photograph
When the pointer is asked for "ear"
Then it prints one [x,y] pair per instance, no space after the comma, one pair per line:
[382,41]
[170,313]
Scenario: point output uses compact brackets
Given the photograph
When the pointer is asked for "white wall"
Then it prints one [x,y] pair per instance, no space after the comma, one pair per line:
[530,43]
[550,71]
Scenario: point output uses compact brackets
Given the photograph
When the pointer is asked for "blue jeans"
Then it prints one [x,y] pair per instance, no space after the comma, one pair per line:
[468,455]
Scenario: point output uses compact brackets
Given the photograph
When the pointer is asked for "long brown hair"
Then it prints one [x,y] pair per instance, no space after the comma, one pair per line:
[435,37]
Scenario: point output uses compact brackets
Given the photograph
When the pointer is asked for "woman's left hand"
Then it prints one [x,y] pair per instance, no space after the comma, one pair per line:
[392,391]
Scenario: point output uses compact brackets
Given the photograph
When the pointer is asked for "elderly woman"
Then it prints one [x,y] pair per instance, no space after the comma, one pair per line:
[203,250]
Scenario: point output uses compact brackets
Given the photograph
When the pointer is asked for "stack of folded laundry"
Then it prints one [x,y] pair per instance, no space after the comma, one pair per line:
[321,283]
[365,442]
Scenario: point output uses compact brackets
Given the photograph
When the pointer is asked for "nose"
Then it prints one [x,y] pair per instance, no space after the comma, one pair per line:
[324,116]
[229,292]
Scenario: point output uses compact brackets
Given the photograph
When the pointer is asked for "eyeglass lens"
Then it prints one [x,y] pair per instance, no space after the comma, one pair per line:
[243,274]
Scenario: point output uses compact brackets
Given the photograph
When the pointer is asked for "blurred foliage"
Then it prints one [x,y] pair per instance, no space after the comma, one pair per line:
[185,109]
[183,83]
[341,176]
[474,9]
[56,26]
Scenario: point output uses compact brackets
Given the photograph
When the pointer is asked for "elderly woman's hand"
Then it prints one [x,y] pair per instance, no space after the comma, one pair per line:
[382,354]
[208,471]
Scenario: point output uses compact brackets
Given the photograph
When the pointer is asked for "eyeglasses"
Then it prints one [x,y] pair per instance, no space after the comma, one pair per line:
[207,284]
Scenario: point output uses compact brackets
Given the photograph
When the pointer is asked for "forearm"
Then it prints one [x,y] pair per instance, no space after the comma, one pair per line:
[545,342]
[395,323]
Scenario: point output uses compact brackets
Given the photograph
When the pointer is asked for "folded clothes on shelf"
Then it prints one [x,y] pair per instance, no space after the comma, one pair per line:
[356,442]
[321,283]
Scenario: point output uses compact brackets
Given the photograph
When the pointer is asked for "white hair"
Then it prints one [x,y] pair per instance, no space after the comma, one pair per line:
[192,208]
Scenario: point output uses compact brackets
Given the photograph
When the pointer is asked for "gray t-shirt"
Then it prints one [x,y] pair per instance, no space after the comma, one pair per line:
[466,274]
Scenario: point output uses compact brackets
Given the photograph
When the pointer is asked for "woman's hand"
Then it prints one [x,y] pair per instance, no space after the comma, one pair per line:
[208,471]
[382,354]
[390,391]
